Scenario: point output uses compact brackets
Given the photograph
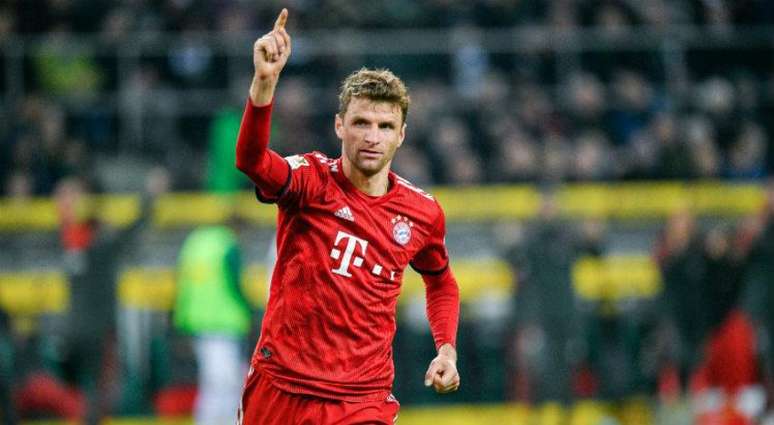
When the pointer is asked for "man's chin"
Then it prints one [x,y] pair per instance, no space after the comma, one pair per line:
[370,167]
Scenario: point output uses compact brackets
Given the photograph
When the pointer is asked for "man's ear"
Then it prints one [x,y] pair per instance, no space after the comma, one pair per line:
[402,134]
[338,126]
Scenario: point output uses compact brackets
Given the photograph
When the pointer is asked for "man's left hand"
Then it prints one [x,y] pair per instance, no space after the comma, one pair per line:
[442,373]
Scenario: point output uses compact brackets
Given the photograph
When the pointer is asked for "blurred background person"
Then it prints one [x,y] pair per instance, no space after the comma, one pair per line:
[93,251]
[547,318]
[211,307]
[7,351]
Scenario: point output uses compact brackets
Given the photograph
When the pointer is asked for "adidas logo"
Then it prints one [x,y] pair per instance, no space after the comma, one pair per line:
[345,213]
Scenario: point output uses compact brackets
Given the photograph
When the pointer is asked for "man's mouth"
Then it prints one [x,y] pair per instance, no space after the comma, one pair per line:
[370,154]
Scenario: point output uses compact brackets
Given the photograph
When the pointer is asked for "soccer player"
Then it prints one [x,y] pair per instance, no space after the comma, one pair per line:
[347,229]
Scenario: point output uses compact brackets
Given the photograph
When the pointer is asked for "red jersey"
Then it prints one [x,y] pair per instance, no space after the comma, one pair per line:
[330,320]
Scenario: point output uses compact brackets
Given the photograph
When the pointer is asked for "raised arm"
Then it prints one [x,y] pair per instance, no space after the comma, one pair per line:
[265,167]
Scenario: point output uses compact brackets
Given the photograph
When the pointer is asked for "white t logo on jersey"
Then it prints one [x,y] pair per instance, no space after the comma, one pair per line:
[349,250]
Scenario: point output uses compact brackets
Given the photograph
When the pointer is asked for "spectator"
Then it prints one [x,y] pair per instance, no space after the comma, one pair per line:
[7,373]
[747,156]
[683,299]
[674,159]
[547,322]
[716,98]
[517,159]
[633,105]
[592,160]
[211,307]
[92,254]
[62,71]
[730,361]
[702,158]
[586,103]
[556,158]
[758,284]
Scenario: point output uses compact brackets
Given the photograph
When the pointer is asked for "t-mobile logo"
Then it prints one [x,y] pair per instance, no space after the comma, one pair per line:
[349,250]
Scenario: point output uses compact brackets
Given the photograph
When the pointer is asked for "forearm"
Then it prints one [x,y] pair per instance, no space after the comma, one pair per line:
[262,90]
[253,157]
[443,308]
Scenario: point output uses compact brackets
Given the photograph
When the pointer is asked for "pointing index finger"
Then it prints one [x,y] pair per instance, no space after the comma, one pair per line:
[281,19]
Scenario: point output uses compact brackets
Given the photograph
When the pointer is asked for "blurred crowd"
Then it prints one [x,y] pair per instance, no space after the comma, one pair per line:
[234,15]
[706,337]
[478,116]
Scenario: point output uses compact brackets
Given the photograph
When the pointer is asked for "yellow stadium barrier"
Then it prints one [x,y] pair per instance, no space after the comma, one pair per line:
[612,278]
[640,200]
[154,288]
[616,277]
[31,293]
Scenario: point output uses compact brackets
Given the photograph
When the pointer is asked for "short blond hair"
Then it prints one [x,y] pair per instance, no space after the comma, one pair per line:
[379,85]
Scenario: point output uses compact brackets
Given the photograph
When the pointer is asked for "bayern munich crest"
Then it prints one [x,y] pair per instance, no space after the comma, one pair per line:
[401,229]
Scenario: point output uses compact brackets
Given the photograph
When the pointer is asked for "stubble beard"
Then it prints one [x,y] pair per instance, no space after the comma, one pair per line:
[370,168]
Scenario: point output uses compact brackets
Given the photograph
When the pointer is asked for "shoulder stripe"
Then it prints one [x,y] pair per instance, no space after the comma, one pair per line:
[408,185]
[332,163]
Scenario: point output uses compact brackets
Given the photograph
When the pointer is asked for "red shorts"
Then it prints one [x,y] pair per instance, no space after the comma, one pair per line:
[264,404]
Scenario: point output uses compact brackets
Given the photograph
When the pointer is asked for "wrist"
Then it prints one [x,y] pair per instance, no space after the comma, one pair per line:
[449,351]
[262,90]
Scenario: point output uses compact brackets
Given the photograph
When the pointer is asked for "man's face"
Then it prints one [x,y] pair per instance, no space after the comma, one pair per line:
[370,133]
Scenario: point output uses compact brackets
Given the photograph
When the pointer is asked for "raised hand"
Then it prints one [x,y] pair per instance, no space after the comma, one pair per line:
[270,54]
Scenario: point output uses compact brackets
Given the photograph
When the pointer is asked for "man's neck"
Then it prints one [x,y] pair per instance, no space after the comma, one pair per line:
[375,185]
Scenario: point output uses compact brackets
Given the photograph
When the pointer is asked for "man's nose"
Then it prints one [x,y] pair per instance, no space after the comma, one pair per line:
[373,134]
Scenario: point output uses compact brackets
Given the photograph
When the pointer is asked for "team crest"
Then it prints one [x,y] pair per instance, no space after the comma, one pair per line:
[401,229]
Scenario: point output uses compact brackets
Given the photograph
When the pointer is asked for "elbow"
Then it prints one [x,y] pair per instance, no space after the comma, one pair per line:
[243,165]
[444,283]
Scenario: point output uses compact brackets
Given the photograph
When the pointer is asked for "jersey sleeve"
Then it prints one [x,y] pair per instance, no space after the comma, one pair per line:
[268,171]
[443,306]
[277,180]
[433,258]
